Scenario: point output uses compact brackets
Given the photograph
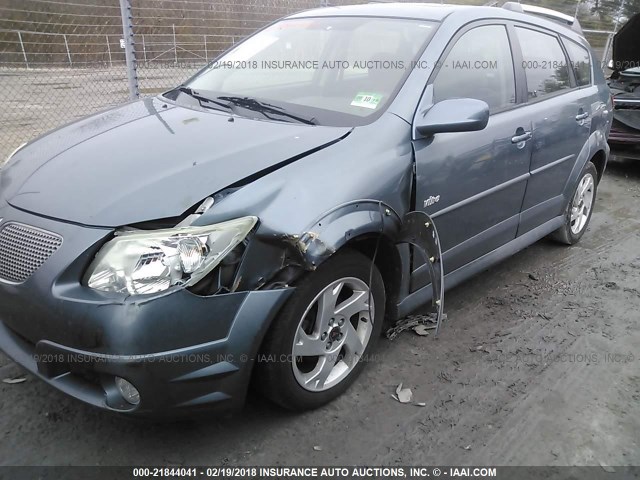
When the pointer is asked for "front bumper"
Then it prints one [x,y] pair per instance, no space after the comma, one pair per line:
[180,350]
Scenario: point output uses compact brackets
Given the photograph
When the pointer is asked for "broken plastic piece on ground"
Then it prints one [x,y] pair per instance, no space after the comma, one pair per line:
[404,395]
[422,330]
[429,321]
[13,381]
[607,468]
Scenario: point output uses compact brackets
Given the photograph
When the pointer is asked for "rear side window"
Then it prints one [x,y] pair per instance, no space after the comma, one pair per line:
[544,63]
[580,62]
[479,66]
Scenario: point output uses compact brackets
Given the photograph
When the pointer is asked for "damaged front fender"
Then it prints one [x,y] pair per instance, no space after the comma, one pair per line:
[339,226]
[277,259]
[297,253]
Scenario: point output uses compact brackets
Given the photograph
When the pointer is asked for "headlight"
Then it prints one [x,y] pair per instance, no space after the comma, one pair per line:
[138,262]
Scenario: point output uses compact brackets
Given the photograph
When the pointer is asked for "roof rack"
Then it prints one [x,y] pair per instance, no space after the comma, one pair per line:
[553,15]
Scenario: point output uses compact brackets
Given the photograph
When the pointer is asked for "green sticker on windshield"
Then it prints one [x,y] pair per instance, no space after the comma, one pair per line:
[366,100]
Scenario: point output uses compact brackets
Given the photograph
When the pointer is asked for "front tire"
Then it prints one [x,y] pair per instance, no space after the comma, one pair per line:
[580,207]
[312,353]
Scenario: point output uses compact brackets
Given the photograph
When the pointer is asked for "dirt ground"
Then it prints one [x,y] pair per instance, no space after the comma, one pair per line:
[538,364]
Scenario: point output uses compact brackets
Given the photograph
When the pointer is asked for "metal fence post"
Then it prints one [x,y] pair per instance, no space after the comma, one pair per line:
[129,50]
[175,48]
[144,49]
[67,47]
[106,37]
[575,14]
[605,53]
[206,54]
[24,54]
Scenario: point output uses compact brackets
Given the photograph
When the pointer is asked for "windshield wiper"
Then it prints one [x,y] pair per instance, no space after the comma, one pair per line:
[266,109]
[202,99]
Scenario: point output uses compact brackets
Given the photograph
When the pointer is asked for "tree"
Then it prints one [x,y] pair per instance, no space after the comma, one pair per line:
[611,8]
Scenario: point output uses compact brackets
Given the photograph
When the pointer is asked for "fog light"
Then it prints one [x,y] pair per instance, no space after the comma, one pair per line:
[128,391]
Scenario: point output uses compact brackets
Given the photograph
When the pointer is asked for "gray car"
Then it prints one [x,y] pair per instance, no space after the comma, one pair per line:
[259,223]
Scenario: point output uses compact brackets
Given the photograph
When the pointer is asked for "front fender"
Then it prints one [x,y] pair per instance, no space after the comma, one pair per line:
[276,259]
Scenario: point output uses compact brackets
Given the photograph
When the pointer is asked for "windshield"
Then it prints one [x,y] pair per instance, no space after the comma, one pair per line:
[340,71]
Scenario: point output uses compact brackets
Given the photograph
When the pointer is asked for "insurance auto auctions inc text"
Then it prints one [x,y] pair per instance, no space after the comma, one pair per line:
[374,472]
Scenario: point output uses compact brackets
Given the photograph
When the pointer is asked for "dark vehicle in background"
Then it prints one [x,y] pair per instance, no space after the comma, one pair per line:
[254,223]
[624,83]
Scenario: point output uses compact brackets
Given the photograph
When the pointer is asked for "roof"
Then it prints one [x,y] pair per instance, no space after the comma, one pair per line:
[421,11]
[438,12]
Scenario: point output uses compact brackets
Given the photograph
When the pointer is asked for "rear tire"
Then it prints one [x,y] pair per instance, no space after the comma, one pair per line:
[312,352]
[580,207]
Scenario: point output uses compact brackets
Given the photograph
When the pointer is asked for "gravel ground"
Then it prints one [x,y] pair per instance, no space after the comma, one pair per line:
[537,365]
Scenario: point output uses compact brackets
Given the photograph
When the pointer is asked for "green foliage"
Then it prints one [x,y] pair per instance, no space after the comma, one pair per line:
[609,9]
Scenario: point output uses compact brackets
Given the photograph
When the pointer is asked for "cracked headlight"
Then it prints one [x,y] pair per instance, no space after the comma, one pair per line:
[143,262]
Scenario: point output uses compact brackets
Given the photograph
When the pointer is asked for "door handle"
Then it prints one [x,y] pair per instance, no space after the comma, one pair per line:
[521,138]
[582,116]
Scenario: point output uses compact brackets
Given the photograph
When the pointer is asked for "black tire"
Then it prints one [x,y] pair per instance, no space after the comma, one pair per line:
[564,234]
[275,378]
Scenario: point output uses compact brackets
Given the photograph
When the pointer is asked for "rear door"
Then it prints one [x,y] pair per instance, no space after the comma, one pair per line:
[561,122]
[473,183]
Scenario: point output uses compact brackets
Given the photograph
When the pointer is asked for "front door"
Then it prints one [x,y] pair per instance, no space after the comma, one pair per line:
[473,183]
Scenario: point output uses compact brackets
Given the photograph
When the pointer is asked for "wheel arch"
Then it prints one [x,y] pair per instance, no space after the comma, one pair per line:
[367,226]
[595,150]
[599,159]
[385,254]
[364,226]
[347,224]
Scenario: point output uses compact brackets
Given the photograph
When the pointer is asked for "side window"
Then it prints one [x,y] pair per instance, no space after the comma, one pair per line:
[544,63]
[580,62]
[479,66]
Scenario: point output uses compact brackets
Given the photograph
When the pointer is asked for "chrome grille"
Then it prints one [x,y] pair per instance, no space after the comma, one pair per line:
[23,249]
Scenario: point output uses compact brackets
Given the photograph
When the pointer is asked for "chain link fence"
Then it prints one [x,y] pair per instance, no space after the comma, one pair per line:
[61,60]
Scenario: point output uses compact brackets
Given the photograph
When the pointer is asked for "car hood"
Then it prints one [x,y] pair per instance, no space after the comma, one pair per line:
[626,45]
[148,160]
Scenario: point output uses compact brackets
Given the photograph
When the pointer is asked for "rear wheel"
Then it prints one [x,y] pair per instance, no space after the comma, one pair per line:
[312,353]
[580,208]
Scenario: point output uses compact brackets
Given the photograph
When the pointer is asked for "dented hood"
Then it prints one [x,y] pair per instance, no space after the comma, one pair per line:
[626,45]
[148,160]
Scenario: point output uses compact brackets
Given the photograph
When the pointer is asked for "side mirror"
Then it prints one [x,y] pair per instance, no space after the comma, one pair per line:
[454,115]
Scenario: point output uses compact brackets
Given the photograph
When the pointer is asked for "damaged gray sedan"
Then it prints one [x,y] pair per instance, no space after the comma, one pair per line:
[258,224]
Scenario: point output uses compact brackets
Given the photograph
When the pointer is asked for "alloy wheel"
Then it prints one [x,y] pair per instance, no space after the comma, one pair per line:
[582,203]
[332,334]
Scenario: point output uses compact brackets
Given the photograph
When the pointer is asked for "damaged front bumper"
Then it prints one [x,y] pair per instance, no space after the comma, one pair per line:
[180,350]
[215,374]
